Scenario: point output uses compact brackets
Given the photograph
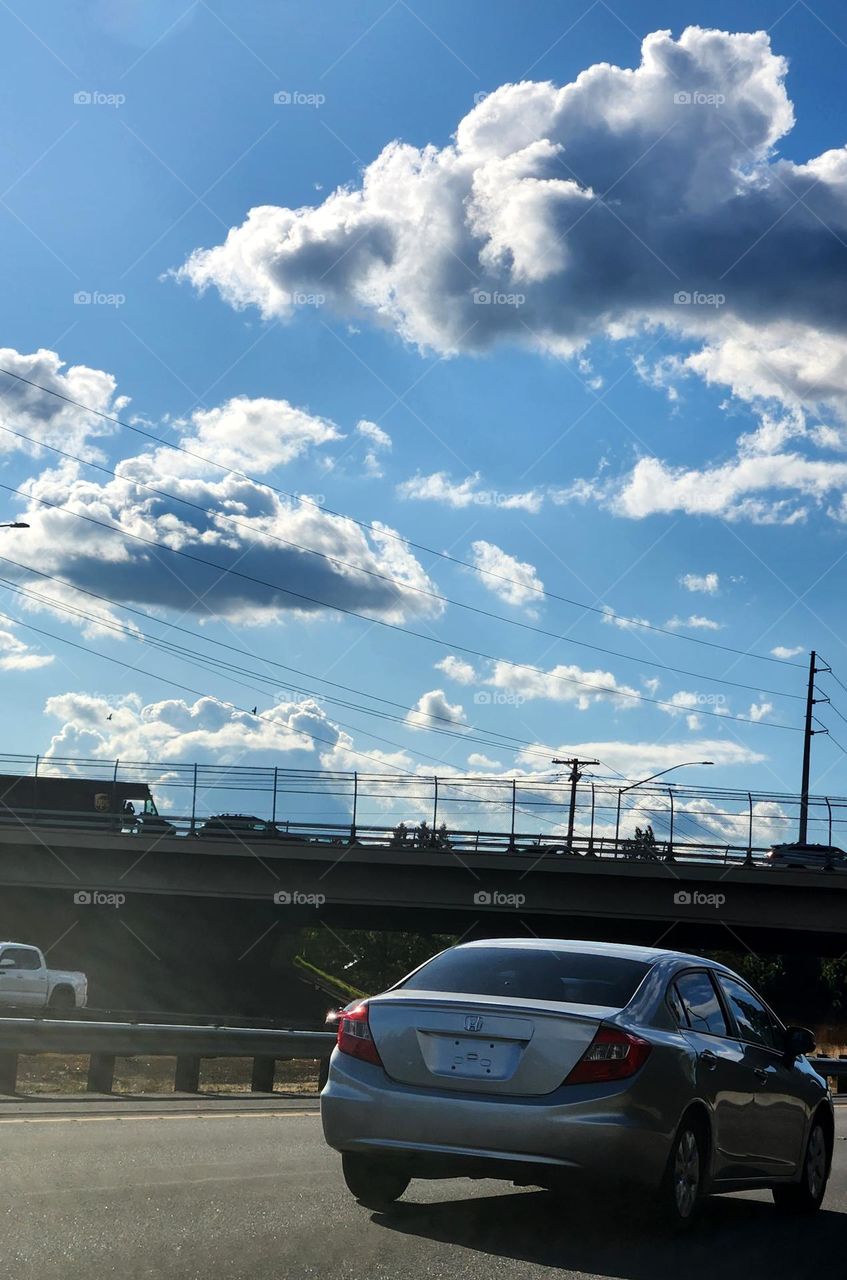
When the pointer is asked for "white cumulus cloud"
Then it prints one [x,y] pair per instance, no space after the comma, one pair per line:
[516,581]
[562,683]
[457,669]
[16,655]
[432,709]
[96,727]
[256,541]
[694,622]
[626,198]
[439,487]
[47,418]
[705,582]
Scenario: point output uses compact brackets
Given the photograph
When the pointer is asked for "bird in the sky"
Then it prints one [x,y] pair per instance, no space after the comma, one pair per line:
[254,711]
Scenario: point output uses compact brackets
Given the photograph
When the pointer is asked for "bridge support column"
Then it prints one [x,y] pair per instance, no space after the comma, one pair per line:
[187,1078]
[101,1073]
[8,1072]
[262,1079]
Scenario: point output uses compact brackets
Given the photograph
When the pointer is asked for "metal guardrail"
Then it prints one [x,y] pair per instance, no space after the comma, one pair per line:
[193,838]
[103,1042]
[161,1017]
[833,1068]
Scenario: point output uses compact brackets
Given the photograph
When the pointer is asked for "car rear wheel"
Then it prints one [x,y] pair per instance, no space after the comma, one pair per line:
[806,1196]
[682,1187]
[62,999]
[376,1184]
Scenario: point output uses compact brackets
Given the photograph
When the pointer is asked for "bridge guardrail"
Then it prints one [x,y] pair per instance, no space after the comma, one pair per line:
[103,1042]
[612,815]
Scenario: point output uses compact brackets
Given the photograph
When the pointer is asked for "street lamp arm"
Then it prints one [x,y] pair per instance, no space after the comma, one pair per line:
[684,765]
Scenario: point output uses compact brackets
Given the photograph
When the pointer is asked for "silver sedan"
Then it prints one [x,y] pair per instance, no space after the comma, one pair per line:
[540,1060]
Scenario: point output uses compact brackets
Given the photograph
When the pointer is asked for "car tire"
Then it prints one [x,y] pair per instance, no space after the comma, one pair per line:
[806,1196]
[681,1192]
[62,1000]
[376,1184]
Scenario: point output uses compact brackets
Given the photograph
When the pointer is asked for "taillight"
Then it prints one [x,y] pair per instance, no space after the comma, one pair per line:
[612,1055]
[354,1035]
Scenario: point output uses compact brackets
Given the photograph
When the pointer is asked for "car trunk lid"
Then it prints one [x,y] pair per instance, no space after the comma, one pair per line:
[481,1044]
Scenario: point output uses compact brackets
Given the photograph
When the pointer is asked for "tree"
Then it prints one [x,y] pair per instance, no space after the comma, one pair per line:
[642,845]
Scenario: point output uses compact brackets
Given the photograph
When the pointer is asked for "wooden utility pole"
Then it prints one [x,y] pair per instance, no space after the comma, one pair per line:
[573,777]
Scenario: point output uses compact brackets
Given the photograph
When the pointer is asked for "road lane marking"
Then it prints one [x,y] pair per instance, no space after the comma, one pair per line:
[161,1115]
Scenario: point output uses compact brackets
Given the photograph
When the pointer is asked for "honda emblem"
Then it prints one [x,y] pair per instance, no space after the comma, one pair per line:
[473,1022]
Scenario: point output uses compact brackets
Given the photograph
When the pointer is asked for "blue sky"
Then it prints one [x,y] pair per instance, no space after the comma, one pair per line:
[500,315]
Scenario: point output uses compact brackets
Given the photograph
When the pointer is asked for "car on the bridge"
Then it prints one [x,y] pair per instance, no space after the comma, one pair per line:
[542,1061]
[818,857]
[243,826]
[27,983]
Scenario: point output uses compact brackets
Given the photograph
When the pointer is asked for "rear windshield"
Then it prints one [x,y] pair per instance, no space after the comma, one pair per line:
[530,974]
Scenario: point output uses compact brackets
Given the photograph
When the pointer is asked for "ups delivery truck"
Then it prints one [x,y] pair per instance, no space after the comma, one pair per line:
[94,803]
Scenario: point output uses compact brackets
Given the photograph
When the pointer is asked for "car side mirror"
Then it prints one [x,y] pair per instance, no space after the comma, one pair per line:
[799,1040]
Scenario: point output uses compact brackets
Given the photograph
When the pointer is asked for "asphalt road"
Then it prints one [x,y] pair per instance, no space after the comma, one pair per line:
[220,1196]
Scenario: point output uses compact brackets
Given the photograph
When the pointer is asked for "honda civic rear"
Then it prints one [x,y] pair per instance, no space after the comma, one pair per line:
[506,1059]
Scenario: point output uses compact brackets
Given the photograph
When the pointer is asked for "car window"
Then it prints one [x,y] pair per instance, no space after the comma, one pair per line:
[701,1003]
[23,957]
[755,1023]
[677,1007]
[532,973]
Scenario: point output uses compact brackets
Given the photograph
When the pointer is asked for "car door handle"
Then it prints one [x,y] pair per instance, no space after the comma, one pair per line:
[708,1059]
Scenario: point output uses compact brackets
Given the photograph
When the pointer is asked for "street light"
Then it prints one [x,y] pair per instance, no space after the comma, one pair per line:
[15,524]
[685,764]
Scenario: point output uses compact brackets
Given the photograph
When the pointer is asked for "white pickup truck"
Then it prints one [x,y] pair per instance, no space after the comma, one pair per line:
[27,983]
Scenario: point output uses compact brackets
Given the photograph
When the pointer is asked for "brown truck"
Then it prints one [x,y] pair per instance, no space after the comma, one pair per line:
[106,804]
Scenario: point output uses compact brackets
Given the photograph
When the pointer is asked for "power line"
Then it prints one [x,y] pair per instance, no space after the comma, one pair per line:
[173,626]
[830,734]
[198,693]
[216,514]
[837,712]
[216,666]
[465,564]
[263,716]
[382,622]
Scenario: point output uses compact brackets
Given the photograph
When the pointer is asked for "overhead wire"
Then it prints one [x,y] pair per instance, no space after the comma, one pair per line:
[466,733]
[402,586]
[455,646]
[387,533]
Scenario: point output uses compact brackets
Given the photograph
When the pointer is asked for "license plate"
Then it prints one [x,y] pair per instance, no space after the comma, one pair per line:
[471,1057]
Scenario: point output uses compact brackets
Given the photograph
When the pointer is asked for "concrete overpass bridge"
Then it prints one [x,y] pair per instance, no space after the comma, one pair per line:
[158,904]
[86,877]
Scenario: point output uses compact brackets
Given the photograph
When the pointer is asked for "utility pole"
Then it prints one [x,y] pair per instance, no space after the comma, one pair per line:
[573,778]
[808,734]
